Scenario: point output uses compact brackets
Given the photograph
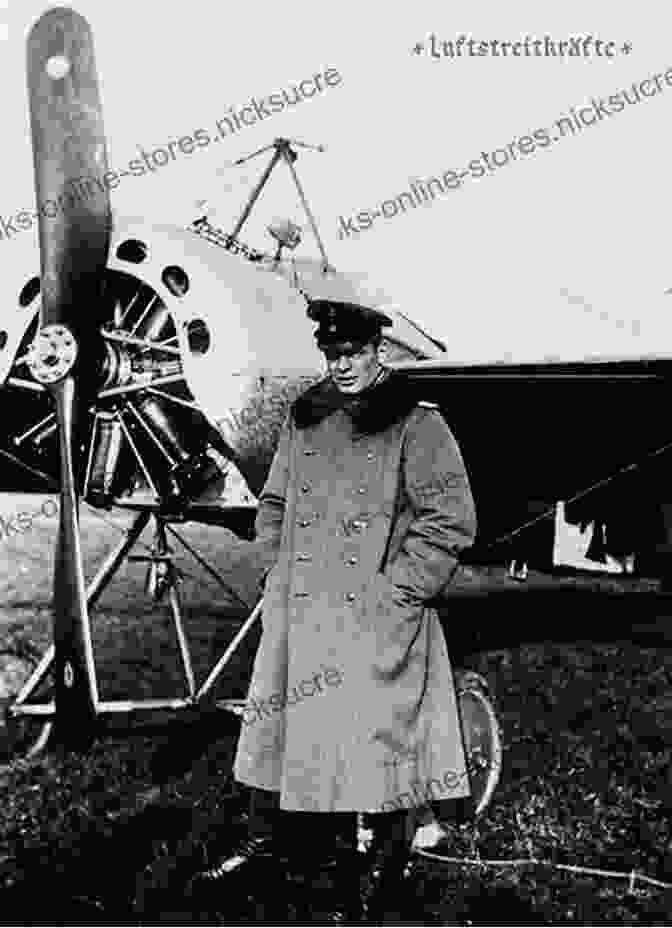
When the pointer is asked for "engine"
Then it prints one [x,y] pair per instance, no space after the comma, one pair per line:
[186,333]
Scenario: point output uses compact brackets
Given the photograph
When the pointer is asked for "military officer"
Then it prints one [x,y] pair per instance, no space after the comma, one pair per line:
[367,506]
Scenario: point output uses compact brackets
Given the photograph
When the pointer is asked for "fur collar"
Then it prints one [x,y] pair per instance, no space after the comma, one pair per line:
[389,400]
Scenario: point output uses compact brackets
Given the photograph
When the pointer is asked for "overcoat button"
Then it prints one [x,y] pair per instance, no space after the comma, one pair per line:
[370,456]
[305,488]
[361,490]
[304,523]
[350,597]
[309,451]
[351,560]
[303,557]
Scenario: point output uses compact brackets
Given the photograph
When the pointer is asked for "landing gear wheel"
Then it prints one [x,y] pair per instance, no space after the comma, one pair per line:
[27,735]
[482,741]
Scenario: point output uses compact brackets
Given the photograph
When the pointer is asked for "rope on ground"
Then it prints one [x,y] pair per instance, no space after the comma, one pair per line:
[633,876]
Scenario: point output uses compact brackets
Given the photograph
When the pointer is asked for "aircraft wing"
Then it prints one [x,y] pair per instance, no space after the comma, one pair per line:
[535,433]
[541,430]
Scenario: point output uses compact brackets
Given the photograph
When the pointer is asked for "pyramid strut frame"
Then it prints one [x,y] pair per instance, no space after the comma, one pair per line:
[163,571]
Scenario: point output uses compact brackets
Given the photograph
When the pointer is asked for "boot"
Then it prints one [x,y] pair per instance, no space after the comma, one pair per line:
[261,845]
[388,901]
[326,857]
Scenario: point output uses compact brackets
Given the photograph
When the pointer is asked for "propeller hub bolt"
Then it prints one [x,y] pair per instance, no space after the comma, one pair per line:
[52,354]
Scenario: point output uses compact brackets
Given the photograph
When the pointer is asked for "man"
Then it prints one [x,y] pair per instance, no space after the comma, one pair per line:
[351,705]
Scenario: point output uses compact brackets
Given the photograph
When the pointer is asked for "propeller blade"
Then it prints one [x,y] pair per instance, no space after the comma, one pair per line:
[76,691]
[70,161]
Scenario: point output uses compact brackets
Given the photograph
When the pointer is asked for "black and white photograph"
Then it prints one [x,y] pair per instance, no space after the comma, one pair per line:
[335,507]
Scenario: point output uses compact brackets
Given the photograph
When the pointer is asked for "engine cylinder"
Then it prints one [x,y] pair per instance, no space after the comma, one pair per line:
[165,426]
[151,320]
[106,471]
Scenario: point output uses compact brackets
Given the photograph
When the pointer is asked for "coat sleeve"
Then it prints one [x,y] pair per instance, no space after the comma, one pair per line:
[273,497]
[441,513]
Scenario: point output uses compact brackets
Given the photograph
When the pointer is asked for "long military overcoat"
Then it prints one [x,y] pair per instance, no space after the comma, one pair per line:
[351,705]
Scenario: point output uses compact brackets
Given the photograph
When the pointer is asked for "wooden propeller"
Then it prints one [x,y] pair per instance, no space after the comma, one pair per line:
[68,146]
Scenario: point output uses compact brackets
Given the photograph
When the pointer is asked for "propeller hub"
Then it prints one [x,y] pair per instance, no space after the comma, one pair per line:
[52,354]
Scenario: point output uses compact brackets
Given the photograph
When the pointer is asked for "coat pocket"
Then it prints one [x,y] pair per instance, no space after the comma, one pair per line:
[385,605]
[392,622]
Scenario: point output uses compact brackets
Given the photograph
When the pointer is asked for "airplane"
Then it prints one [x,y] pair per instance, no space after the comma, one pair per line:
[128,361]
[137,350]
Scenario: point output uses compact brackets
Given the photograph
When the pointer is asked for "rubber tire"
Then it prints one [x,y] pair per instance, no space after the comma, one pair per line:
[482,740]
[26,736]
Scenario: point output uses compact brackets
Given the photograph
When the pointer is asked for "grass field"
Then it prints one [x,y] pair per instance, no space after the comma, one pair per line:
[587,728]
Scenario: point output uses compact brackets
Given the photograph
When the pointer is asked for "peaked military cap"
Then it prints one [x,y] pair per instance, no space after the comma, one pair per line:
[341,322]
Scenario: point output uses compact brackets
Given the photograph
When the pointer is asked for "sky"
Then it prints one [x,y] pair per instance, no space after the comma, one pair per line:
[562,252]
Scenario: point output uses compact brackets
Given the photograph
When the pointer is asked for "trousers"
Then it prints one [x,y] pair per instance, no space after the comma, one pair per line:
[314,832]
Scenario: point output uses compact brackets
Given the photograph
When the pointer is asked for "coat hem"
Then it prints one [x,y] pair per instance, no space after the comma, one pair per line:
[311,805]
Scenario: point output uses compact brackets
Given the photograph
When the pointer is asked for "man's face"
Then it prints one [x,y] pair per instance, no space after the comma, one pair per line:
[352,365]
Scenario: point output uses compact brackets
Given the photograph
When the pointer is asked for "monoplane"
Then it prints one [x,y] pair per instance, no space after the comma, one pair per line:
[137,351]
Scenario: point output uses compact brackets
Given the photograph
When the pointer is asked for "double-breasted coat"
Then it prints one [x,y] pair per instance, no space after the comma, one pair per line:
[351,705]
